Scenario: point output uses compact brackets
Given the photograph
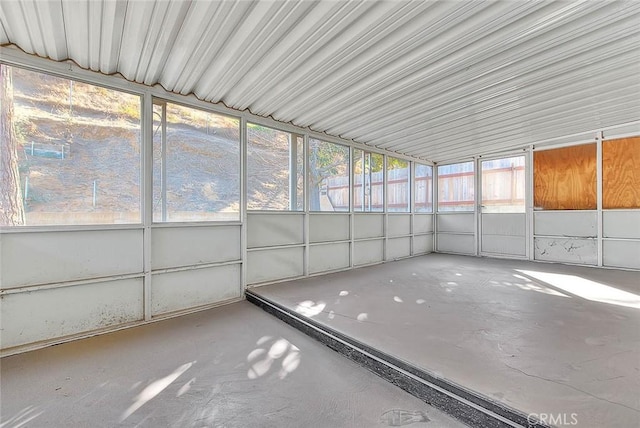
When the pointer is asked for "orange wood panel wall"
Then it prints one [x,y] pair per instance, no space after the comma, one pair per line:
[621,173]
[565,178]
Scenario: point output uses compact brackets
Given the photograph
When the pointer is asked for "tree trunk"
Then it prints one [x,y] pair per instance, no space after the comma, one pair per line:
[11,202]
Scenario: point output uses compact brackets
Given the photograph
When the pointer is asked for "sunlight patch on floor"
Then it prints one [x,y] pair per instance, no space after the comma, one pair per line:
[587,289]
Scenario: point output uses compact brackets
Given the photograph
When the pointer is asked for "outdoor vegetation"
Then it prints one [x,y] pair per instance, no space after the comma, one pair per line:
[71,154]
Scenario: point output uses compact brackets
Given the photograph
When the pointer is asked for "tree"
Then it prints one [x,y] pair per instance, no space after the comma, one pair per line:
[325,160]
[11,201]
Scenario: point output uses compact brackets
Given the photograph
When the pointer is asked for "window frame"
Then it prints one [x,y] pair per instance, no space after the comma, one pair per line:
[163,102]
[89,78]
[293,136]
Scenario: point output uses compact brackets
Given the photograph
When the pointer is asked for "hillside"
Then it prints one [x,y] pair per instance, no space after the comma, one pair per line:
[77,138]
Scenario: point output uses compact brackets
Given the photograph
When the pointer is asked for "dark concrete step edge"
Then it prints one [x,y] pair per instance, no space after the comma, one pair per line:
[465,405]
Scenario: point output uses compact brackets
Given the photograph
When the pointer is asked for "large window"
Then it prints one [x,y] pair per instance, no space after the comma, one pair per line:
[275,175]
[565,178]
[328,176]
[503,185]
[368,181]
[397,185]
[196,165]
[456,187]
[423,183]
[69,152]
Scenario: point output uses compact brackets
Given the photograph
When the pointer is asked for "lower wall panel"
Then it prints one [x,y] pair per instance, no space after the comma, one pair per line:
[422,244]
[368,226]
[51,313]
[621,224]
[175,291]
[566,250]
[423,223]
[368,252]
[328,257]
[624,254]
[274,264]
[452,243]
[189,246]
[398,248]
[566,223]
[398,225]
[328,227]
[504,245]
[50,257]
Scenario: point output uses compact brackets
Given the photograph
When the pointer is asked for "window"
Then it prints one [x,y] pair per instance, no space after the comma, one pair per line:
[456,187]
[423,183]
[328,176]
[368,181]
[72,155]
[275,176]
[621,173]
[397,185]
[196,165]
[503,185]
[565,178]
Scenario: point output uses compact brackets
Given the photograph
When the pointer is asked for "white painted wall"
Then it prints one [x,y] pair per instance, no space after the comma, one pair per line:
[621,238]
[455,232]
[503,234]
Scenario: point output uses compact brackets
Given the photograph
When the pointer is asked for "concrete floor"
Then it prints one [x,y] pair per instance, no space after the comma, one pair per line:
[234,366]
[549,339]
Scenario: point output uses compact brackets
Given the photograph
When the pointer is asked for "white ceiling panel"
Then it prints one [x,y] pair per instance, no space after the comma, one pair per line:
[439,80]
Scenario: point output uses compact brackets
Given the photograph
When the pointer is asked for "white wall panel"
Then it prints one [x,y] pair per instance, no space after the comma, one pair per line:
[504,233]
[367,252]
[187,246]
[399,225]
[56,312]
[398,248]
[568,250]
[422,244]
[328,257]
[422,223]
[456,222]
[328,227]
[566,223]
[504,224]
[624,254]
[174,291]
[274,264]
[450,243]
[49,257]
[271,229]
[505,245]
[368,226]
[621,224]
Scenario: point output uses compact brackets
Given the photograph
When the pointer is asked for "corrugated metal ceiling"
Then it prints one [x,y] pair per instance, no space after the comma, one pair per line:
[432,79]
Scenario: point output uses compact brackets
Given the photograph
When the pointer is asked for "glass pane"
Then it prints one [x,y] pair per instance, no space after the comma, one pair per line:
[368,187]
[376,180]
[456,187]
[328,176]
[503,185]
[360,187]
[397,185]
[73,152]
[274,169]
[200,178]
[423,188]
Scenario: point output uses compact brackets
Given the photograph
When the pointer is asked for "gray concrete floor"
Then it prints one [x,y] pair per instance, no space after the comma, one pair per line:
[233,366]
[549,339]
